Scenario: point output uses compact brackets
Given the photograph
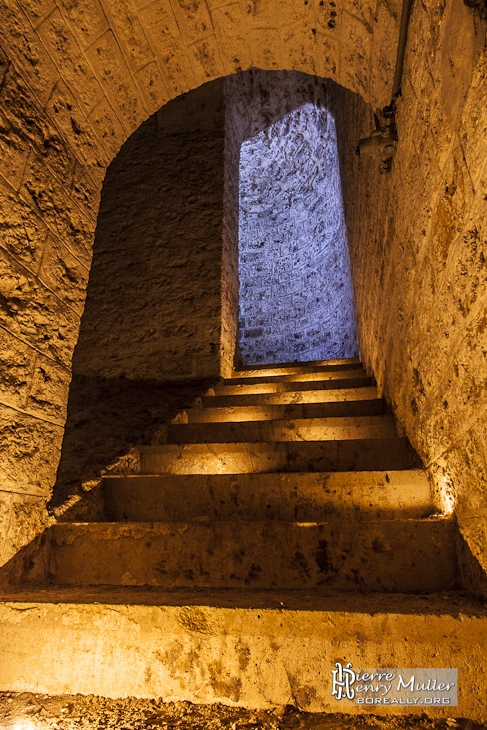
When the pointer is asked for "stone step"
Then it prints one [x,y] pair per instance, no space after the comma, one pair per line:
[309,376]
[334,395]
[290,497]
[235,647]
[302,429]
[236,414]
[266,386]
[286,456]
[405,556]
[271,370]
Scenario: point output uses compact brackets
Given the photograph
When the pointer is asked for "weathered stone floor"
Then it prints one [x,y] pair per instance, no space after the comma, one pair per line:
[27,711]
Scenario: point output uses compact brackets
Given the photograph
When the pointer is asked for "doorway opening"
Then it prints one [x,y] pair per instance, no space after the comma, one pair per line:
[161,314]
[295,290]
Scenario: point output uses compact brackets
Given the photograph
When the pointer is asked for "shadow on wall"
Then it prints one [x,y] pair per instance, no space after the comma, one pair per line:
[106,419]
[150,332]
[153,305]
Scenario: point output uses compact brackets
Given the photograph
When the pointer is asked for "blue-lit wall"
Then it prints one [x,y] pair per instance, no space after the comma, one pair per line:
[296,300]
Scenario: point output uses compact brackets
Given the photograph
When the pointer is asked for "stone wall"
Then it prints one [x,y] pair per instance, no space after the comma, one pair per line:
[296,300]
[118,61]
[163,292]
[48,206]
[230,286]
[418,242]
[162,295]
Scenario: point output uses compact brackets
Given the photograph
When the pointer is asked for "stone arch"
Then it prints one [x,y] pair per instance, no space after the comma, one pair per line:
[114,63]
[77,78]
[162,304]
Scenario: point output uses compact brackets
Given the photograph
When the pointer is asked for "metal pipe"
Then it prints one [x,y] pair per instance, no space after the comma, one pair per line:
[401,48]
[382,143]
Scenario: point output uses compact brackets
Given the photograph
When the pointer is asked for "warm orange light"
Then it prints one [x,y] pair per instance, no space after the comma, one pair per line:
[445,495]
[25,724]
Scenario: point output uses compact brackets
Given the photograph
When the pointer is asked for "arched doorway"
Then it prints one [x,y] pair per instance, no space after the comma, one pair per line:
[162,304]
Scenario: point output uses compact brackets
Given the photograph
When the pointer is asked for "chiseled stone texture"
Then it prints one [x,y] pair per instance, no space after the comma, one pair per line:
[109,64]
[418,242]
[296,300]
[229,346]
[48,206]
[158,310]
[22,518]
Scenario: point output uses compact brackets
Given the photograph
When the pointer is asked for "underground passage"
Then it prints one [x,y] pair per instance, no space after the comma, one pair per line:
[243,366]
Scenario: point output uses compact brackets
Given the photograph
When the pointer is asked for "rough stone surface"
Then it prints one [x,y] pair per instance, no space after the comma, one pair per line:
[230,351]
[30,447]
[418,253]
[304,497]
[22,518]
[163,290]
[240,648]
[48,205]
[158,308]
[286,429]
[284,456]
[265,413]
[76,80]
[330,395]
[389,556]
[74,590]
[95,417]
[296,300]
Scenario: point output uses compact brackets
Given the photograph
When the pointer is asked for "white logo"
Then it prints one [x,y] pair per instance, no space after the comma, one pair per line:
[342,681]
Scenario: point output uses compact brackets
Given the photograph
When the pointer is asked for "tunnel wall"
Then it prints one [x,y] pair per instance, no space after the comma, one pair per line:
[48,207]
[418,245]
[74,88]
[162,298]
[160,317]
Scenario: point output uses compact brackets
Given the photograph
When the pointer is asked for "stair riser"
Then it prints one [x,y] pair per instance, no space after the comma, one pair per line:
[252,657]
[268,387]
[293,397]
[398,556]
[302,456]
[311,429]
[347,361]
[285,497]
[295,369]
[373,407]
[358,372]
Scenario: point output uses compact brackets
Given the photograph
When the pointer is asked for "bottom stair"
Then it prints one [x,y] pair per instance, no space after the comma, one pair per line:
[256,649]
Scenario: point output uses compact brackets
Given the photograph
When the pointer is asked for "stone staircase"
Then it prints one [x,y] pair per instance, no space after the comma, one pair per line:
[284,526]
